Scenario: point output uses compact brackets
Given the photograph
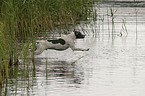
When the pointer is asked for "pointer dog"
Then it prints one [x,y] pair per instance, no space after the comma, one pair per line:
[62,43]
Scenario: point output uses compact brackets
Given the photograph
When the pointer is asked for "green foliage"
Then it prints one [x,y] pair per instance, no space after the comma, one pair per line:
[24,16]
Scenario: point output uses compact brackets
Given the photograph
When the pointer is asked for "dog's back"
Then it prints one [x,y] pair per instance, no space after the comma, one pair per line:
[57,44]
[60,44]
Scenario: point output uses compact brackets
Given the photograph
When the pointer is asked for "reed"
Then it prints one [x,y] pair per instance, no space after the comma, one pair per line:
[108,22]
[136,11]
[123,29]
[22,21]
[112,15]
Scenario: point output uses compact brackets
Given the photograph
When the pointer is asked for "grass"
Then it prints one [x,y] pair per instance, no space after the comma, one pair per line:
[21,21]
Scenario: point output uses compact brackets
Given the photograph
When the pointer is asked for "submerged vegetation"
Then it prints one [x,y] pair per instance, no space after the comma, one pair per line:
[21,20]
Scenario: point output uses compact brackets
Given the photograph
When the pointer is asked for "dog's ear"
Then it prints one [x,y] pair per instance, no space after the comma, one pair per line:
[78,35]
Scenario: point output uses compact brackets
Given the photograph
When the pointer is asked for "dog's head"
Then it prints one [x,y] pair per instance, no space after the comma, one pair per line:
[79,35]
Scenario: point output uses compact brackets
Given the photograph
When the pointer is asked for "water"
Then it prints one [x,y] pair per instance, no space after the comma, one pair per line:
[114,65]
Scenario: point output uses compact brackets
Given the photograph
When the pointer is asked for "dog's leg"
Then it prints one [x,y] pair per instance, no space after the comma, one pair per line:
[78,49]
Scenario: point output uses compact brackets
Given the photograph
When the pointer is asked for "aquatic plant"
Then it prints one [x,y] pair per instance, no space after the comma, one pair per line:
[112,12]
[136,11]
[21,21]
[123,29]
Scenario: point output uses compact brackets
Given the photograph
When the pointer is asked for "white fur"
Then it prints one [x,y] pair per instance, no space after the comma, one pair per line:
[69,42]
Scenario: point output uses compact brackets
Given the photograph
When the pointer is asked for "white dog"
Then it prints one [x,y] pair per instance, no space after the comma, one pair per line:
[62,43]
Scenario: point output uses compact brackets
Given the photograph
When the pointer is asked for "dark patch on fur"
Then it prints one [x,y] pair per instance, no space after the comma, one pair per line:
[37,42]
[61,41]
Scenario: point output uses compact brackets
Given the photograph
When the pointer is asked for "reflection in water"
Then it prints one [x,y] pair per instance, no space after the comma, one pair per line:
[54,73]
[63,71]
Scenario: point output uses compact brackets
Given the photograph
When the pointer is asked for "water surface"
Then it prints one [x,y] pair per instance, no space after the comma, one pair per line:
[114,65]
